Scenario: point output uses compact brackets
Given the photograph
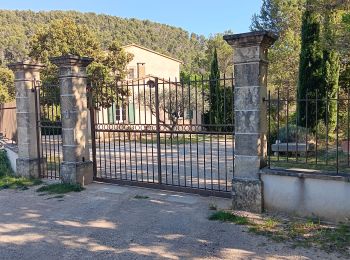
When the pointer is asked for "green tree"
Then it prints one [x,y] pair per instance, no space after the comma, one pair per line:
[175,101]
[7,87]
[17,27]
[214,90]
[105,75]
[311,70]
[220,99]
[344,49]
[282,17]
[331,64]
[224,53]
[65,36]
[269,18]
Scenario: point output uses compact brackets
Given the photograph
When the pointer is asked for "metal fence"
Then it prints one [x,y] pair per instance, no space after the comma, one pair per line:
[49,129]
[311,132]
[8,123]
[161,133]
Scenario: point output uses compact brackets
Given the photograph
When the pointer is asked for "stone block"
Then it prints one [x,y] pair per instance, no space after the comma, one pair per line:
[248,166]
[68,102]
[66,86]
[22,104]
[249,54]
[249,98]
[247,122]
[293,147]
[249,144]
[79,172]
[29,168]
[247,195]
[70,153]
[250,74]
[23,88]
[68,136]
[23,119]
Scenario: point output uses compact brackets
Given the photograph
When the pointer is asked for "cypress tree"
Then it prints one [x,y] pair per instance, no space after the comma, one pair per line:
[310,70]
[215,93]
[331,67]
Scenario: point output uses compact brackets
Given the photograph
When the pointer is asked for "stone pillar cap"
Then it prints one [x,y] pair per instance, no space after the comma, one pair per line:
[71,60]
[261,38]
[26,65]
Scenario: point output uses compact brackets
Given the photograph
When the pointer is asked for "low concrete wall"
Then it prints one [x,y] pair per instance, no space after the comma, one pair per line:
[12,156]
[307,194]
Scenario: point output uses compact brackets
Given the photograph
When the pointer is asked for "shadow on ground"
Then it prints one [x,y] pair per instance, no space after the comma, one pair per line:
[109,222]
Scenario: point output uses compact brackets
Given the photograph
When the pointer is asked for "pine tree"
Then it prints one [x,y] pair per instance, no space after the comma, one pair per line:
[310,70]
[284,19]
[268,19]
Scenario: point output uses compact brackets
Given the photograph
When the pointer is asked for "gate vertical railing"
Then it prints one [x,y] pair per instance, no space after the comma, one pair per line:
[92,128]
[48,126]
[37,122]
[159,156]
[160,133]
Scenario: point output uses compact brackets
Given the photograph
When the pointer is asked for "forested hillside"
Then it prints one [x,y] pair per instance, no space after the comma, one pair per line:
[17,27]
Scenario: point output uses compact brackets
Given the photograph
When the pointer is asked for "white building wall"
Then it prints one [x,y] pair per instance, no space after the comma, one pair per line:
[155,64]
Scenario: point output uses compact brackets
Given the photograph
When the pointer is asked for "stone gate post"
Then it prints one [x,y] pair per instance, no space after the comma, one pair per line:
[250,69]
[76,166]
[26,73]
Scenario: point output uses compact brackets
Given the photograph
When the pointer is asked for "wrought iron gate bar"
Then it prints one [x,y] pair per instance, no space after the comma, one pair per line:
[167,134]
[49,129]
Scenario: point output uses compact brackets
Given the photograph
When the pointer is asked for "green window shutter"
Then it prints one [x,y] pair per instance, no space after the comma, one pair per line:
[189,114]
[131,114]
[111,115]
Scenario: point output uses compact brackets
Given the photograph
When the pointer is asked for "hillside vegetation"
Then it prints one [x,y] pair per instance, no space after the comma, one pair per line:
[17,27]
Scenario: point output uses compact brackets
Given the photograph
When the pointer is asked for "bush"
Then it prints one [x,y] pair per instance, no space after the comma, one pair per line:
[5,166]
[293,134]
[51,127]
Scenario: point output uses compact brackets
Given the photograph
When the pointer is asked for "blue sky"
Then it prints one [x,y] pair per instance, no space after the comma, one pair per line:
[199,16]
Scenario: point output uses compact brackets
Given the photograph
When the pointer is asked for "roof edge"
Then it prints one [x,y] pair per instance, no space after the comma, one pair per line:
[150,50]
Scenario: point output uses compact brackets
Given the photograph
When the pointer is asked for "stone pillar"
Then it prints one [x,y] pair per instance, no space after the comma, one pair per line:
[76,166]
[250,69]
[28,160]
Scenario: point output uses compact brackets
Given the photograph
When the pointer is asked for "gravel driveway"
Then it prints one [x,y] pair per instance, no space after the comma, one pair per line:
[108,222]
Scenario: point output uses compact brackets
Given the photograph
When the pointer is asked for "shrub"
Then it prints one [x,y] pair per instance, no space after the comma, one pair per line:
[5,166]
[293,134]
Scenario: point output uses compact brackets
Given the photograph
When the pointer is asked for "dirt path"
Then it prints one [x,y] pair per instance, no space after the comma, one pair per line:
[108,222]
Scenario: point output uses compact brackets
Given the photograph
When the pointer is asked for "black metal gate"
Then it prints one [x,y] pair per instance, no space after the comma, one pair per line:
[173,135]
[49,129]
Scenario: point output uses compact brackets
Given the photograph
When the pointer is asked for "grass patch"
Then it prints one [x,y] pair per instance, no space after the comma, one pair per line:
[8,181]
[299,233]
[334,239]
[307,233]
[56,197]
[225,216]
[141,197]
[213,206]
[60,188]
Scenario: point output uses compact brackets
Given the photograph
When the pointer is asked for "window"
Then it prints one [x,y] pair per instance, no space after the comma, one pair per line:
[131,115]
[131,73]
[120,112]
[110,114]
[117,112]
[189,114]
